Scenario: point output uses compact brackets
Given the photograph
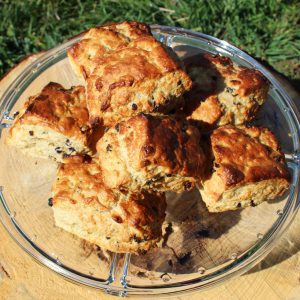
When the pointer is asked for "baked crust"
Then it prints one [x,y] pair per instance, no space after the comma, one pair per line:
[84,56]
[152,82]
[248,168]
[115,221]
[153,152]
[227,93]
[56,115]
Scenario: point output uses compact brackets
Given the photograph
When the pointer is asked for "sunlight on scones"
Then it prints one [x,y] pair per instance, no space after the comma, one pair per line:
[52,124]
[115,221]
[248,168]
[127,71]
[151,152]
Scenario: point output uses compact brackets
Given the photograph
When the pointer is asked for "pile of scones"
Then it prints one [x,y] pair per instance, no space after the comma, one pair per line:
[145,123]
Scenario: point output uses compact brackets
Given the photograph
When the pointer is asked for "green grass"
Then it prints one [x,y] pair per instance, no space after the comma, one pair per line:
[269,30]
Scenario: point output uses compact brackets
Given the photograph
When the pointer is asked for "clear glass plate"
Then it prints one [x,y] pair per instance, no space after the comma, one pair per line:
[199,249]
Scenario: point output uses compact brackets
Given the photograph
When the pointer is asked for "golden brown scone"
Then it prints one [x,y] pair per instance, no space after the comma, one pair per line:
[248,168]
[86,55]
[53,124]
[115,221]
[127,72]
[151,152]
[223,93]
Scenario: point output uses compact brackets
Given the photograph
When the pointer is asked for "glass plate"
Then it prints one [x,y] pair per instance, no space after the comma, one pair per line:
[199,249]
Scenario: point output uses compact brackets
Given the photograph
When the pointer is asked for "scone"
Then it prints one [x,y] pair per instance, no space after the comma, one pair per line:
[127,72]
[86,55]
[248,168]
[53,124]
[152,152]
[115,221]
[223,93]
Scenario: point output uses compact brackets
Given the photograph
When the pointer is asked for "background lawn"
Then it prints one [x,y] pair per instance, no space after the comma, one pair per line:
[268,30]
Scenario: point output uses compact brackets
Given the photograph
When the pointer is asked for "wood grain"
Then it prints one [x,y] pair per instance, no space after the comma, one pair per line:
[276,277]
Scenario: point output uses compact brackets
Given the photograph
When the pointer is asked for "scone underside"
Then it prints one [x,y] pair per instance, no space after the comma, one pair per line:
[245,195]
[91,228]
[42,141]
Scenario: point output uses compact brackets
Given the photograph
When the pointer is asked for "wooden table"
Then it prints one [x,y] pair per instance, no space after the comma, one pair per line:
[276,277]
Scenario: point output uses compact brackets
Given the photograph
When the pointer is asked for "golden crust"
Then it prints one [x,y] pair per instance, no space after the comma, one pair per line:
[85,55]
[151,151]
[208,112]
[238,91]
[115,221]
[116,89]
[244,157]
[60,109]
[54,111]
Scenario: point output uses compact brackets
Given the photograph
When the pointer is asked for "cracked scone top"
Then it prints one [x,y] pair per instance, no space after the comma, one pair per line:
[126,72]
[223,93]
[115,221]
[248,168]
[151,152]
[53,124]
[85,55]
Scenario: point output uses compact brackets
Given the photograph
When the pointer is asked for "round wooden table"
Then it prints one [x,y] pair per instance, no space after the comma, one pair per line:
[276,277]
